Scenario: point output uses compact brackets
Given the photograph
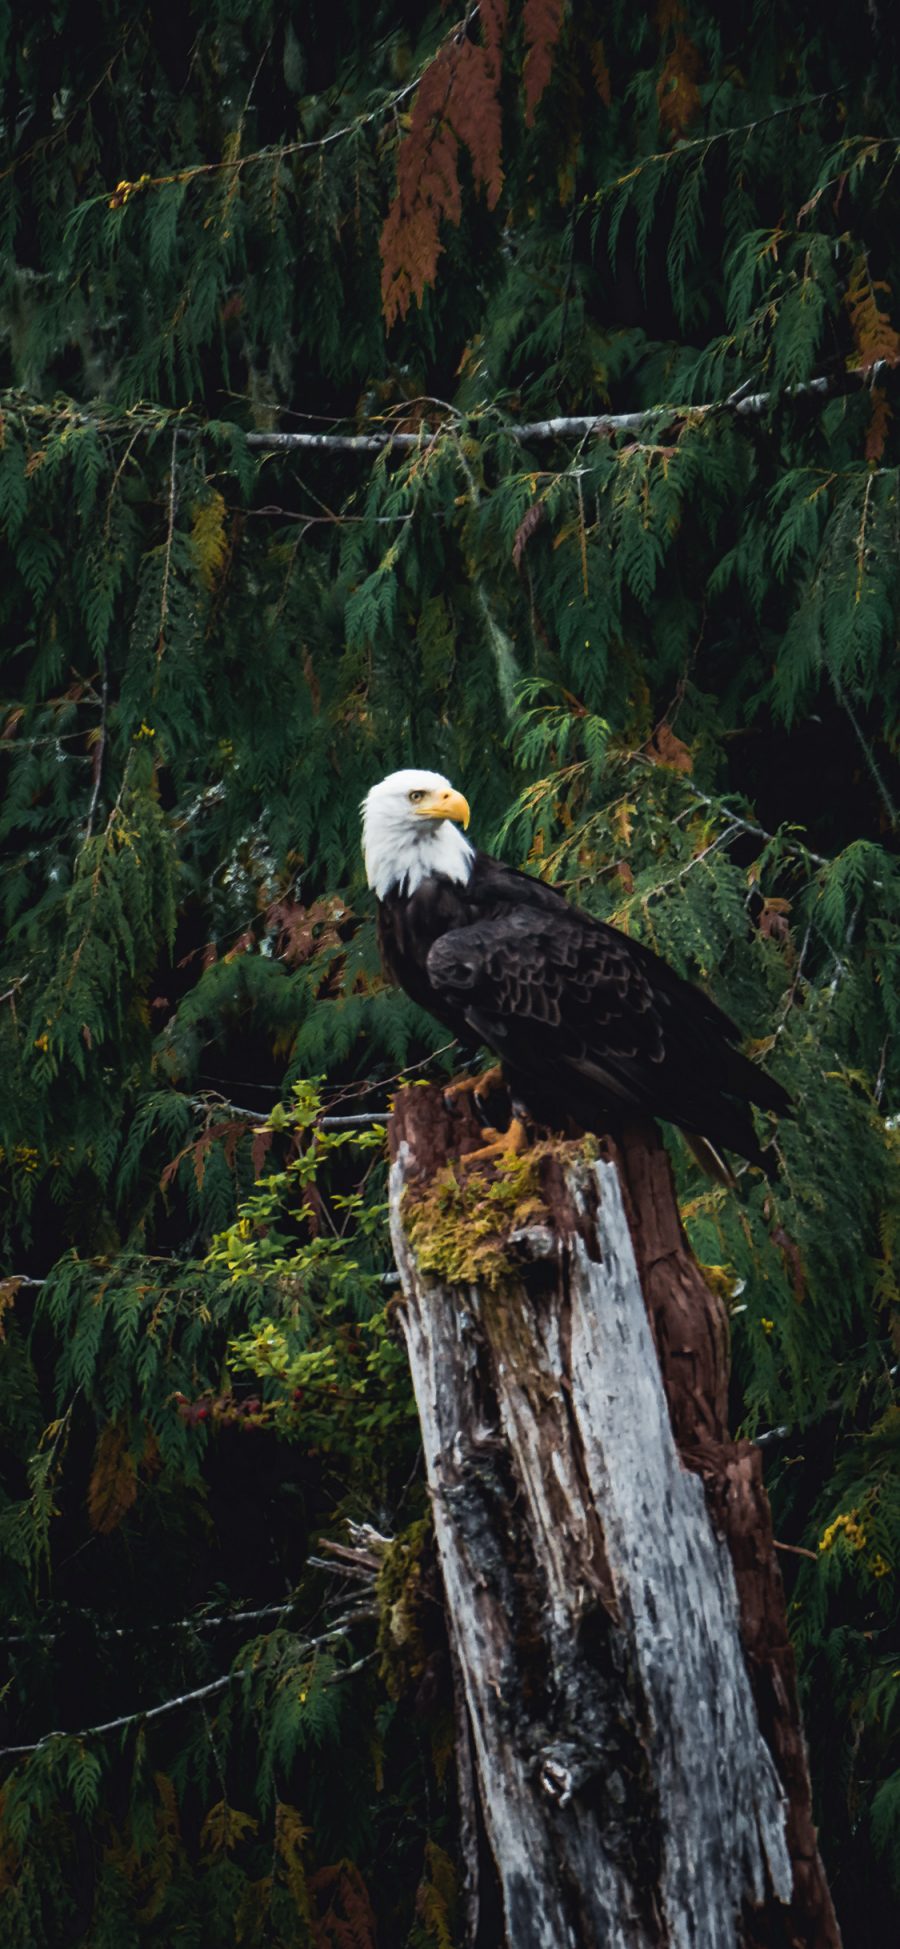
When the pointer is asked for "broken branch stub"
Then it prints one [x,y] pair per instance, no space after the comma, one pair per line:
[629,1742]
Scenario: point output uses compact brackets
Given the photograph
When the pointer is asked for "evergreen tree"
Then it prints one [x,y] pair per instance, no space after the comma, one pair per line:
[308,317]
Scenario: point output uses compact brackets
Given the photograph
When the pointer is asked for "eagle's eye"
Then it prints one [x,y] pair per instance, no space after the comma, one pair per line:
[414,797]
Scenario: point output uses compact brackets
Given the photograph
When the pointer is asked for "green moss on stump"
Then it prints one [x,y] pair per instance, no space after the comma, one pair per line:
[460,1224]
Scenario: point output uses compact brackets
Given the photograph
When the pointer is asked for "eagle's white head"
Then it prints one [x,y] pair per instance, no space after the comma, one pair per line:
[410,830]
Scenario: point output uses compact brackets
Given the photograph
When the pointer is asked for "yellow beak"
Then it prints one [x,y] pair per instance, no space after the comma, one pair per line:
[447,805]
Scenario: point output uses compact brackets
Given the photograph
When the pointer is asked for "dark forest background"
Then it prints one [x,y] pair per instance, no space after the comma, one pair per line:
[661,662]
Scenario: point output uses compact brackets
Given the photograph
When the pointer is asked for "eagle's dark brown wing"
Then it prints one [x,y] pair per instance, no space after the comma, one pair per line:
[589,1021]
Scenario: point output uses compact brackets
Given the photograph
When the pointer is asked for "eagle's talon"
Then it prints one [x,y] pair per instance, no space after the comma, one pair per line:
[510,1143]
[478,1086]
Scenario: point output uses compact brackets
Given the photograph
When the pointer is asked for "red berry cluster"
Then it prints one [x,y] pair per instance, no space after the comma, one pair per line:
[224,1408]
[229,1410]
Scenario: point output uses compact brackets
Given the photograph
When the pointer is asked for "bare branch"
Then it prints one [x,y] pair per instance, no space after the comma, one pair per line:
[209,1691]
[377,1120]
[127,1718]
[573,426]
[794,1549]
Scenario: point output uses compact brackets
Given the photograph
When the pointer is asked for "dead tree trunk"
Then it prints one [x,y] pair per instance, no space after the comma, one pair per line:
[629,1736]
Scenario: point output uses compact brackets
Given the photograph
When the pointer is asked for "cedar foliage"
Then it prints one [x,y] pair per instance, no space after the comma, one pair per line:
[662,664]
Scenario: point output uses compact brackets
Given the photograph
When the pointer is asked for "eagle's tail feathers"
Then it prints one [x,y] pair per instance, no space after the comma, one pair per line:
[709,1159]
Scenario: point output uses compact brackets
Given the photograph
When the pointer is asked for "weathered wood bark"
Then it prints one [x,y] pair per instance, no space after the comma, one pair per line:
[629,1736]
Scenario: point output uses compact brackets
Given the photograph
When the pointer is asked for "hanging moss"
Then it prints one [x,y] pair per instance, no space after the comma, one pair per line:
[401,1600]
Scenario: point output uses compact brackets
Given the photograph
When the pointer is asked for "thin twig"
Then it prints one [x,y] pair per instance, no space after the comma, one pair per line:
[110,499]
[331,520]
[759,832]
[194,1624]
[10,993]
[365,1558]
[344,1123]
[99,750]
[791,995]
[865,747]
[350,1671]
[164,595]
[721,839]
[342,1569]
[36,744]
[259,67]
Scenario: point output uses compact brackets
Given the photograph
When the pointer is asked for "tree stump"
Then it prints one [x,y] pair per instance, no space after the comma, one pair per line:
[629,1743]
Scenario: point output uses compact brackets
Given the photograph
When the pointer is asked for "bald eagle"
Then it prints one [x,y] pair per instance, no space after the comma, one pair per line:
[588,1025]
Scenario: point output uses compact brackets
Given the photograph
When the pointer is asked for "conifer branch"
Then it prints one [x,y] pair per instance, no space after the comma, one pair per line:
[280,151]
[58,134]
